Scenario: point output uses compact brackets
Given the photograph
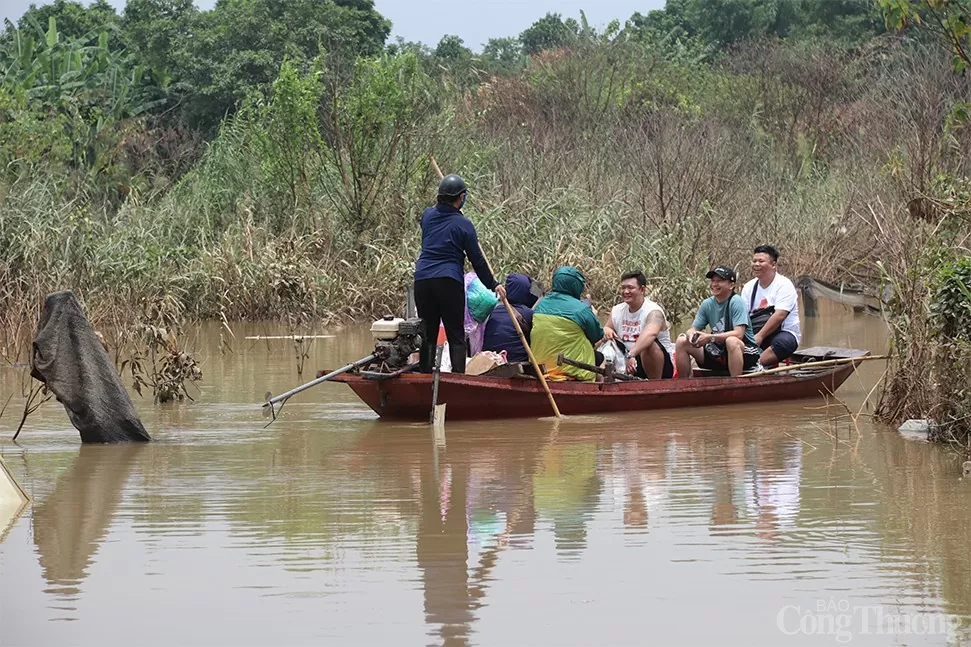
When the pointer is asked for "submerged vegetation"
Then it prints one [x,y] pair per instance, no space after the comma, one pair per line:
[175,163]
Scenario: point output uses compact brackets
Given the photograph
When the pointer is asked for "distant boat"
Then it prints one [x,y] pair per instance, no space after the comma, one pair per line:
[408,396]
[857,297]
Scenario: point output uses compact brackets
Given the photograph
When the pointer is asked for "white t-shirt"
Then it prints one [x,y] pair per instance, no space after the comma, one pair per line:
[628,325]
[774,494]
[781,293]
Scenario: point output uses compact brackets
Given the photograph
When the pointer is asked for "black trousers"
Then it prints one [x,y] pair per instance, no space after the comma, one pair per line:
[441,300]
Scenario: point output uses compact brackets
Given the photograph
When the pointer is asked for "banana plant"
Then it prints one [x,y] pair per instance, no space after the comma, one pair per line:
[98,89]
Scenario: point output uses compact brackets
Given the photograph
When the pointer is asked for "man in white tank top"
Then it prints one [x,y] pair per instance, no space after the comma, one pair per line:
[641,326]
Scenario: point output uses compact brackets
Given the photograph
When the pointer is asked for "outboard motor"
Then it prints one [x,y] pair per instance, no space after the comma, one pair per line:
[395,339]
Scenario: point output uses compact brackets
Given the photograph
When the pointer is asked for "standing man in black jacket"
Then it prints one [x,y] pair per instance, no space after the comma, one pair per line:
[447,237]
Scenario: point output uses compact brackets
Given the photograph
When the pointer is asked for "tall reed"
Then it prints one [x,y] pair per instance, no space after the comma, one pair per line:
[306,205]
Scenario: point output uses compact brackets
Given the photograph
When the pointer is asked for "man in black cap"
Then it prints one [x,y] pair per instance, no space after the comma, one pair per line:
[730,344]
[447,237]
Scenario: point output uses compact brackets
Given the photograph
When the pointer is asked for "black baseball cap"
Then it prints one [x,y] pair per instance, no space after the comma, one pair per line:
[723,272]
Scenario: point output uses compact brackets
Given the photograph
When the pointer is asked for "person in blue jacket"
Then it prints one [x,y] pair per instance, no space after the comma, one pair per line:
[500,333]
[447,238]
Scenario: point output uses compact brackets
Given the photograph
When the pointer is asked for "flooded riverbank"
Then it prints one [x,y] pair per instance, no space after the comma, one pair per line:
[742,525]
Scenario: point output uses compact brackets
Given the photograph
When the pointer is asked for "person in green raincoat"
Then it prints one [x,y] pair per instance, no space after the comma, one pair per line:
[562,323]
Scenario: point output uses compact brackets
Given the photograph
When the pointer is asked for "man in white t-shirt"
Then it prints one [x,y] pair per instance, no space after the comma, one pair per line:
[641,326]
[773,307]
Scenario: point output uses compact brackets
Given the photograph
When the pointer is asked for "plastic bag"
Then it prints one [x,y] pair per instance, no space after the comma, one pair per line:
[479,299]
[446,365]
[474,334]
[485,361]
[612,353]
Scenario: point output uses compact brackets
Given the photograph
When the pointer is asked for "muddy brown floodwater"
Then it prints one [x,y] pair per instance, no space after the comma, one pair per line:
[741,525]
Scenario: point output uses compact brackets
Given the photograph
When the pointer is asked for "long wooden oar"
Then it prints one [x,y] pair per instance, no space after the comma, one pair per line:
[515,322]
[529,352]
[828,362]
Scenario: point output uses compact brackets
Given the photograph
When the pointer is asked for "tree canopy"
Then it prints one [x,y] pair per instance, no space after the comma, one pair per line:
[721,23]
[83,70]
[74,19]
[549,32]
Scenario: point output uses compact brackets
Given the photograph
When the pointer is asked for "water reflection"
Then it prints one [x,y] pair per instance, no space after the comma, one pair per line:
[523,532]
[490,492]
[442,550]
[71,523]
[473,503]
[310,497]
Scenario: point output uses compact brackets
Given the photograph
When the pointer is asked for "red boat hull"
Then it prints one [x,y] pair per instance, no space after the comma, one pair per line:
[469,397]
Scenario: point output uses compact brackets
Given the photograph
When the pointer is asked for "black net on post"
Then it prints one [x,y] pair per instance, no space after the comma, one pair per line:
[68,357]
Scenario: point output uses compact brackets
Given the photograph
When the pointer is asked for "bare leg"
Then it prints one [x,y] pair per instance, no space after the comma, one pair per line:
[683,352]
[653,361]
[736,363]
[768,357]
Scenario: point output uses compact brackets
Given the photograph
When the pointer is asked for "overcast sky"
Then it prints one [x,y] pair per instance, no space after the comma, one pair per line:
[475,21]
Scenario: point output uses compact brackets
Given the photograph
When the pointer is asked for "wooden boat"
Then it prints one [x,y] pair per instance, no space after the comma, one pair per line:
[13,500]
[408,396]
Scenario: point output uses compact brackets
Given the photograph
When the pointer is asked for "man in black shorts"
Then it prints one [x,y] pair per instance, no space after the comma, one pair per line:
[640,326]
[730,344]
[773,307]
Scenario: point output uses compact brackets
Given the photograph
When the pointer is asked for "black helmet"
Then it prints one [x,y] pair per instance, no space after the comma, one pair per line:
[451,186]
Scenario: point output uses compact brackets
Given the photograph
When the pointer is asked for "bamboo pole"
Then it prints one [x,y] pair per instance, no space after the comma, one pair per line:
[828,362]
[532,358]
[515,321]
